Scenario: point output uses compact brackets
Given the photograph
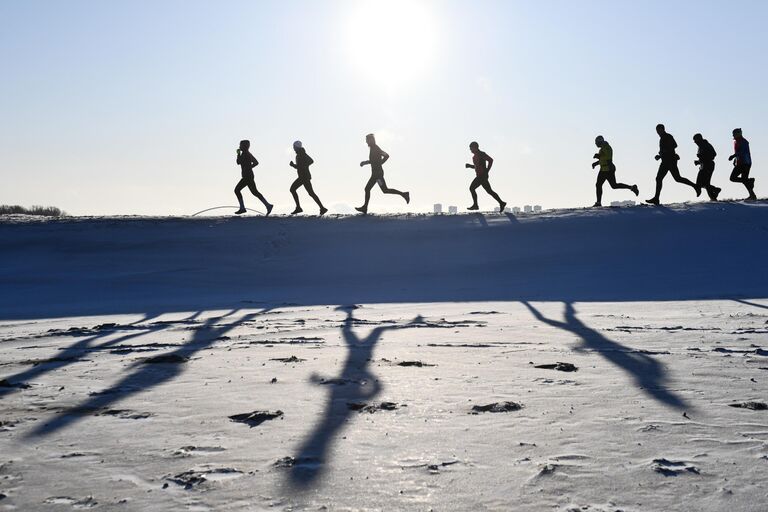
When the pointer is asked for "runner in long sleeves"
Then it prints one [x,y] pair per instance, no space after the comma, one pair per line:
[669,157]
[607,170]
[303,161]
[742,163]
[376,159]
[705,159]
[247,162]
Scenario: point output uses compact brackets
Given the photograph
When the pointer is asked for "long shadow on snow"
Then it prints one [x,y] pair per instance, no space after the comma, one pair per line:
[750,303]
[648,373]
[70,355]
[144,377]
[354,384]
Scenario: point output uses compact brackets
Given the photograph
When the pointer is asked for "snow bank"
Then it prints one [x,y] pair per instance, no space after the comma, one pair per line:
[79,266]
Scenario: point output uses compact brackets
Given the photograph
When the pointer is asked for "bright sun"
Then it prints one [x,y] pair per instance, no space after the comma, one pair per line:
[391,41]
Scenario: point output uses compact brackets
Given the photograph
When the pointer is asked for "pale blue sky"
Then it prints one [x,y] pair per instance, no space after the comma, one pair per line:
[137,107]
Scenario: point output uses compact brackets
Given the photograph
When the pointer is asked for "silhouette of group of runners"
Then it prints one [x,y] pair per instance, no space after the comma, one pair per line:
[668,157]
[482,164]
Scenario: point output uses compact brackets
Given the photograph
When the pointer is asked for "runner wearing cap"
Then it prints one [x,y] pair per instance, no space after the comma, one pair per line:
[303,161]
[607,170]
[742,163]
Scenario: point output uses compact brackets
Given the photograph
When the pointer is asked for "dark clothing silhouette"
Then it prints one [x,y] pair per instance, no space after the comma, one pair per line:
[667,147]
[670,166]
[706,152]
[610,177]
[482,181]
[378,179]
[607,172]
[247,162]
[741,150]
[669,158]
[742,165]
[740,174]
[706,159]
[704,178]
[303,161]
[482,163]
[376,158]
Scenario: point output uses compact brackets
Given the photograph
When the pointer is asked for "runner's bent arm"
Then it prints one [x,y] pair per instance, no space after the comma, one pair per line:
[384,157]
[490,161]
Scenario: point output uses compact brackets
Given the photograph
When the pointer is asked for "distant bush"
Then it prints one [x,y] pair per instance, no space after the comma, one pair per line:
[45,211]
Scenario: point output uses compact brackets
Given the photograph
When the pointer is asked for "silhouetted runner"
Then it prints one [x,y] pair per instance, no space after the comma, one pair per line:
[742,163]
[669,158]
[482,164]
[607,170]
[247,162]
[376,158]
[706,162]
[303,161]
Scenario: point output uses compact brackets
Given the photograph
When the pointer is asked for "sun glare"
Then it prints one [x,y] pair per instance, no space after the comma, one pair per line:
[391,42]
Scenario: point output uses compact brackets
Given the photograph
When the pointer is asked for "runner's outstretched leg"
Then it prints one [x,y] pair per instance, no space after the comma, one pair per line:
[599,189]
[659,181]
[487,187]
[294,187]
[473,190]
[255,192]
[680,179]
[311,191]
[368,187]
[385,189]
[240,186]
[616,185]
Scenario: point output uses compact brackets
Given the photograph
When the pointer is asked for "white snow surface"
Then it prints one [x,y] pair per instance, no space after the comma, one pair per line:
[127,343]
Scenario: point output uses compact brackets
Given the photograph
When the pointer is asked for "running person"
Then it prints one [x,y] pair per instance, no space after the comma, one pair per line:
[669,158]
[482,164]
[303,161]
[706,162]
[607,170]
[376,159]
[742,163]
[247,162]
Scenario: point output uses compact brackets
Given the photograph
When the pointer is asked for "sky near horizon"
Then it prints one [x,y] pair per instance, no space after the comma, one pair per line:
[137,107]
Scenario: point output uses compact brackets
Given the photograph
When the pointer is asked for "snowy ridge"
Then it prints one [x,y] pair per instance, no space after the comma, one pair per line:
[137,264]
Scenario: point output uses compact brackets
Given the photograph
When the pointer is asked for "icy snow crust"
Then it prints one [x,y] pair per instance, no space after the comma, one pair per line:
[590,360]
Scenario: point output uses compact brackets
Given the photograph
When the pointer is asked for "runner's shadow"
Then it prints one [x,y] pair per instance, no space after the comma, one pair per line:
[750,303]
[144,376]
[481,219]
[647,373]
[72,354]
[355,384]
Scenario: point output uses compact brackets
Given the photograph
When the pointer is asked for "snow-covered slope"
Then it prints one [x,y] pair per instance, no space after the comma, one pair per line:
[150,265]
[349,363]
